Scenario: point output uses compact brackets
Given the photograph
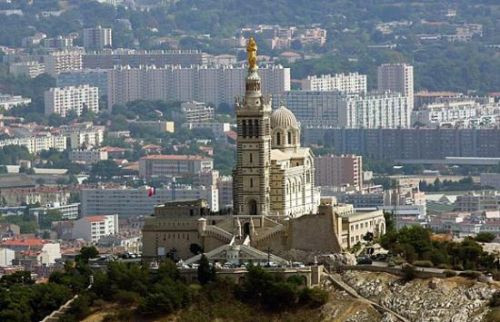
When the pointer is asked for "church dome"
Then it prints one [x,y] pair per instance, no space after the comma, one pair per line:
[283,118]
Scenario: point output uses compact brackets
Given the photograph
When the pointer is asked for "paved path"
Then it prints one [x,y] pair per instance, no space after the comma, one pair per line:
[341,284]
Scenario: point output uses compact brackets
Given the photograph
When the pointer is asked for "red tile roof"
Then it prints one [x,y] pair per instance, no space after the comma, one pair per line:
[95,218]
[24,242]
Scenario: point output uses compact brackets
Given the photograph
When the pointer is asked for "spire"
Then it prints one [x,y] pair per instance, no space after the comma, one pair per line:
[252,54]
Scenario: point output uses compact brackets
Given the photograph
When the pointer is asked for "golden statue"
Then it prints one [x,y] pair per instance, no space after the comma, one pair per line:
[252,53]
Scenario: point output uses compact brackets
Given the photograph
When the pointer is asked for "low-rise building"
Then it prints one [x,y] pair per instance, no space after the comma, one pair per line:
[356,225]
[67,211]
[197,112]
[9,101]
[490,180]
[83,135]
[36,144]
[29,69]
[43,195]
[173,165]
[218,129]
[6,257]
[475,201]
[87,156]
[92,228]
[40,251]
[160,126]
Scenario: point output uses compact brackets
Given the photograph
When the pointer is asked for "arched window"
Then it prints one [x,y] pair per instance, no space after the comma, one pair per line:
[251,182]
[278,138]
[289,137]
[250,128]
[252,207]
[244,132]
[251,158]
[256,128]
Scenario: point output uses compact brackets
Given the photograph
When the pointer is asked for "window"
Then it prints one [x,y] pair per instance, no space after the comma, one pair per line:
[251,158]
[244,128]
[251,182]
[289,137]
[278,138]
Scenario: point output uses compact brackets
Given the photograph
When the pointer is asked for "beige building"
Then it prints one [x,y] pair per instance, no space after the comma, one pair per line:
[276,203]
[36,144]
[87,156]
[62,100]
[62,61]
[83,135]
[197,112]
[341,170]
[29,69]
[173,165]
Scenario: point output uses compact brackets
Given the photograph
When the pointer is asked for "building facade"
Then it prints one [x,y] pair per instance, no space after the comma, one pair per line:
[29,69]
[209,84]
[396,78]
[62,100]
[36,144]
[197,112]
[173,165]
[126,201]
[92,228]
[352,83]
[93,77]
[341,170]
[97,38]
[87,156]
[62,61]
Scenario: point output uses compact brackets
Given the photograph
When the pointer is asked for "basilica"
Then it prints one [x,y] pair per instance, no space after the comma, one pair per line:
[276,203]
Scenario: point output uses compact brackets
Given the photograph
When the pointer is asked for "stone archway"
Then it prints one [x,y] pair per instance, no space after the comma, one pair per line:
[246,229]
[252,207]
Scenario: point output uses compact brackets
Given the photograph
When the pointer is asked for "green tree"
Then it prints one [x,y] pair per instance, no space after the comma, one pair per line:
[485,237]
[206,273]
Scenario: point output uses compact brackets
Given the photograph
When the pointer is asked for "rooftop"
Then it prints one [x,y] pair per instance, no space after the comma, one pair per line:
[174,157]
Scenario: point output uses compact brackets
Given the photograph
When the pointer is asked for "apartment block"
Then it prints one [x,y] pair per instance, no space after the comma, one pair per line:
[83,135]
[9,101]
[478,201]
[62,100]
[108,59]
[29,69]
[62,61]
[339,170]
[396,78]
[92,228]
[197,112]
[209,84]
[87,156]
[173,165]
[93,77]
[335,109]
[352,83]
[97,38]
[36,144]
[58,42]
[408,144]
[126,201]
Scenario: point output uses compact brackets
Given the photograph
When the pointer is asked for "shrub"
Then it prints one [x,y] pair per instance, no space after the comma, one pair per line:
[495,299]
[449,273]
[399,261]
[296,279]
[470,274]
[485,237]
[409,272]
[313,297]
[424,263]
[126,297]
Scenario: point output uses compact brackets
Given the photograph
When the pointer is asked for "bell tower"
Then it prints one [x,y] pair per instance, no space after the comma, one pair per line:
[251,177]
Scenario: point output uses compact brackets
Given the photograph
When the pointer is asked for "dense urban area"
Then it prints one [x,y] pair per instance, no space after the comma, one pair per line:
[199,160]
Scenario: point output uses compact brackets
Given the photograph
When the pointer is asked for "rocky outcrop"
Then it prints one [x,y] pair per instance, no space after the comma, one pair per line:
[440,300]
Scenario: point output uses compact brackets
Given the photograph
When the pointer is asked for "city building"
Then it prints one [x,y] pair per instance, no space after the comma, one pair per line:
[58,42]
[62,61]
[173,165]
[9,101]
[68,211]
[197,112]
[29,69]
[408,144]
[6,257]
[219,129]
[490,180]
[352,83]
[276,204]
[43,252]
[341,170]
[43,195]
[336,109]
[62,100]
[92,228]
[209,84]
[108,59]
[126,201]
[396,78]
[87,156]
[36,144]
[93,77]
[97,38]
[83,135]
[477,201]
[160,126]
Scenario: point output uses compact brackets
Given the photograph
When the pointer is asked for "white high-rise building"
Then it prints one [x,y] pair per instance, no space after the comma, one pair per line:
[396,78]
[97,38]
[62,61]
[61,100]
[214,85]
[352,83]
[92,228]
[337,110]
